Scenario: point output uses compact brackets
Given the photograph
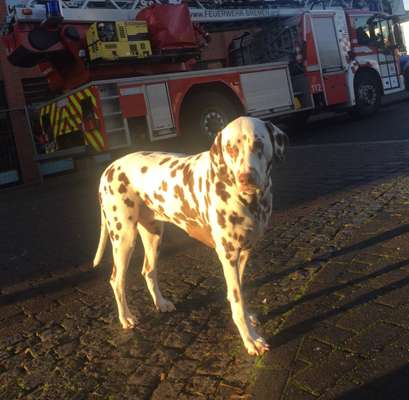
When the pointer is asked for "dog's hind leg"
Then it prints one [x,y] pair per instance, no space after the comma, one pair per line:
[151,235]
[122,251]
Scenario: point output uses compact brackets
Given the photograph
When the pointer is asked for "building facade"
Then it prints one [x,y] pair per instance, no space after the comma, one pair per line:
[19,89]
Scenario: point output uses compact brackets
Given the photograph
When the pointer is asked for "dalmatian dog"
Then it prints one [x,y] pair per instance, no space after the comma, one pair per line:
[221,197]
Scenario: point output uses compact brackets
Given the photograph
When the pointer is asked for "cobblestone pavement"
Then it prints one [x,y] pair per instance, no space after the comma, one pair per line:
[329,284]
[346,335]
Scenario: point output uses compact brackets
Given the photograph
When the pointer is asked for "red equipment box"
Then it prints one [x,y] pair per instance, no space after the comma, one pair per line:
[170,27]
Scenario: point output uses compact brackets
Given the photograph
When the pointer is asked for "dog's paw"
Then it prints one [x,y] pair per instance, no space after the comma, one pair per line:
[165,306]
[128,322]
[256,346]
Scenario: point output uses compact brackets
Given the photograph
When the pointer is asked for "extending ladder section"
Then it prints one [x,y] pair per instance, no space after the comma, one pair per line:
[204,11]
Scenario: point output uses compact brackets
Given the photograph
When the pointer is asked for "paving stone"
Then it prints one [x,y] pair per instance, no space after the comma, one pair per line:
[199,349]
[336,274]
[270,384]
[50,334]
[202,385]
[182,369]
[178,340]
[226,391]
[299,365]
[375,339]
[353,296]
[162,357]
[18,326]
[359,318]
[313,350]
[321,306]
[215,365]
[283,349]
[237,374]
[326,373]
[292,392]
[9,311]
[387,281]
[384,367]
[332,335]
[167,390]
[349,390]
[145,376]
[395,293]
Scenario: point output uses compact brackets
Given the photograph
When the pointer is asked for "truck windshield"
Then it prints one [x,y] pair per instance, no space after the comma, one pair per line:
[372,31]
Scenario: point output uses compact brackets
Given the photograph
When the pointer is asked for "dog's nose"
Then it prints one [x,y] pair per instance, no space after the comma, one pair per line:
[247,178]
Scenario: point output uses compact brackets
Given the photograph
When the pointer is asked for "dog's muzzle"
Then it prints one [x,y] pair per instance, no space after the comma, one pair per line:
[249,181]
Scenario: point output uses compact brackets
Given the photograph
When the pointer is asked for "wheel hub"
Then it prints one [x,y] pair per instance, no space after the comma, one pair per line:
[213,122]
[367,94]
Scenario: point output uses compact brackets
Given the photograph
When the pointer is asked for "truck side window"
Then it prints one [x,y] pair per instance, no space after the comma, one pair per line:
[363,34]
[386,33]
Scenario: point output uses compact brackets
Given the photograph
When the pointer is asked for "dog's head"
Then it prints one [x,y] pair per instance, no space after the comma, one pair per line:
[248,147]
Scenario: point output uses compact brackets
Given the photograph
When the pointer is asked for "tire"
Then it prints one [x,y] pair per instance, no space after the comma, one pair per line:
[368,95]
[204,115]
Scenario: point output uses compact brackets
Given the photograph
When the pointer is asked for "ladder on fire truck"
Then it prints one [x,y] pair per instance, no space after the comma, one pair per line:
[202,11]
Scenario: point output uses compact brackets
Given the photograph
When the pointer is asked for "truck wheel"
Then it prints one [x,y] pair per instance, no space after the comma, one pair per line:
[205,115]
[367,95]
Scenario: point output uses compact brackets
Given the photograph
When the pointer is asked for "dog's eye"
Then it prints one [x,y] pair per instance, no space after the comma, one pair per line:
[258,146]
[279,139]
[233,151]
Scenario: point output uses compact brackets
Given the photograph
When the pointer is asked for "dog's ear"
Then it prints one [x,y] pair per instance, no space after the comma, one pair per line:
[279,140]
[270,128]
[216,152]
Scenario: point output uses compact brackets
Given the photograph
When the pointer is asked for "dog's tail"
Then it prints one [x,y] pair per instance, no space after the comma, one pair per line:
[102,241]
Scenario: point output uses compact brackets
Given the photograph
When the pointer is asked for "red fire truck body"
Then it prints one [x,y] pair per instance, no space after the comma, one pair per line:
[163,106]
[285,67]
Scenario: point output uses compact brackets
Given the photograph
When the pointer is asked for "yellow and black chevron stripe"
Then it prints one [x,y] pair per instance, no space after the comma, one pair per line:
[66,117]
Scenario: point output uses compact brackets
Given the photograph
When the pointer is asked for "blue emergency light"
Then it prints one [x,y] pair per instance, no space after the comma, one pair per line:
[52,8]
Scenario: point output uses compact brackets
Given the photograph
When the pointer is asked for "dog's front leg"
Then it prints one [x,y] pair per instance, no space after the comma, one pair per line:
[243,258]
[230,260]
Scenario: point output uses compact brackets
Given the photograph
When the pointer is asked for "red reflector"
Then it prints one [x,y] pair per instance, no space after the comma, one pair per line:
[27,11]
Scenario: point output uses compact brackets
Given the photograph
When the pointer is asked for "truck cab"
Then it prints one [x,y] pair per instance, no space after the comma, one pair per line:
[350,58]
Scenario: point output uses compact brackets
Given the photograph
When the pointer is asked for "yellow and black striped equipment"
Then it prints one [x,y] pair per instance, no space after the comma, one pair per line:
[118,40]
[66,118]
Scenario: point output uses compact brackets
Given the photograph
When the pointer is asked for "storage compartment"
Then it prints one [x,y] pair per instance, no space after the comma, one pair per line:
[267,90]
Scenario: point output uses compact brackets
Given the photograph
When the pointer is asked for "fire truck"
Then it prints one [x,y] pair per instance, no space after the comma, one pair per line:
[125,72]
